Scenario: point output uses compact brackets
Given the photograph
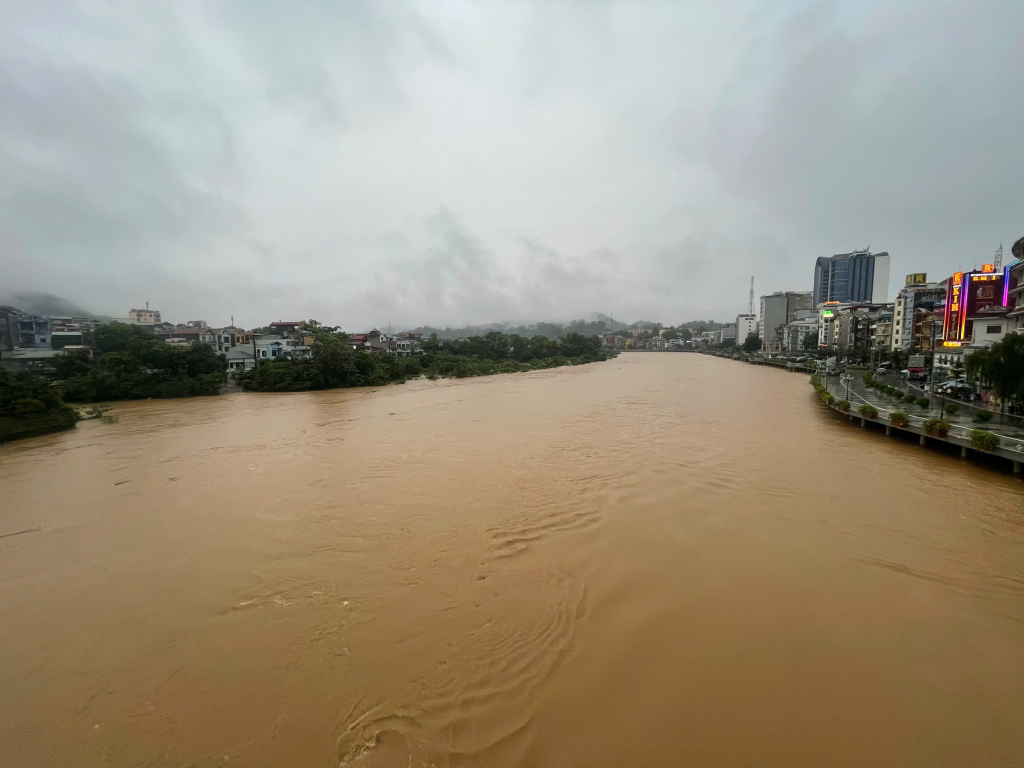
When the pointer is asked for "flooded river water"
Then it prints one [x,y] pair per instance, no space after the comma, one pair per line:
[662,560]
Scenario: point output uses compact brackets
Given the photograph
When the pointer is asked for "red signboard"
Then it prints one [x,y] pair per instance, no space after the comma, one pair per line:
[967,293]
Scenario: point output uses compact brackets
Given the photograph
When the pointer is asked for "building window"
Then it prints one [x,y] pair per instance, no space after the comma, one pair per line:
[989,329]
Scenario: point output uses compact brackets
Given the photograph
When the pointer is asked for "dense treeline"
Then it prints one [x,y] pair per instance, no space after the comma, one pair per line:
[30,406]
[551,330]
[131,364]
[335,364]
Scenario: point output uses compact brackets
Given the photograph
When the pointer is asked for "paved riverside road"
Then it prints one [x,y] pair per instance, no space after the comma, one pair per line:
[860,393]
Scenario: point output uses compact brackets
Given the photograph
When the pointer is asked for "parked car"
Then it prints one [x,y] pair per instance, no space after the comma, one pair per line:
[881,370]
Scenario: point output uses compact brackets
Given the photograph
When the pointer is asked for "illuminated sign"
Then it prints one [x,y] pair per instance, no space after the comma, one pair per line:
[952,343]
[966,294]
[918,278]
[827,313]
[1007,280]
[988,268]
[831,302]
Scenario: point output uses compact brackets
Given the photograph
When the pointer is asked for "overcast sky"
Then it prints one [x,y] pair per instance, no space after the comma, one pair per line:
[444,163]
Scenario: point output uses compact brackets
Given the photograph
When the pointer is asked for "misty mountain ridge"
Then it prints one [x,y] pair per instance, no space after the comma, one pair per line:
[48,305]
[51,305]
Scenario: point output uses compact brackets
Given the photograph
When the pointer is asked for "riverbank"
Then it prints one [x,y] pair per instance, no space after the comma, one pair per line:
[960,437]
[926,424]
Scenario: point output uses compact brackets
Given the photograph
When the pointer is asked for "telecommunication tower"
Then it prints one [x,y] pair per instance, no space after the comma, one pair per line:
[999,258]
[750,304]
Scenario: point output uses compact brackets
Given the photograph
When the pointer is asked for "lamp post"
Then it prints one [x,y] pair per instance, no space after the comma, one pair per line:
[931,375]
[847,378]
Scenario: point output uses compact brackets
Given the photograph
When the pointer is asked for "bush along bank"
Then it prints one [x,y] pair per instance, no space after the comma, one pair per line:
[908,397]
[29,407]
[334,363]
[984,440]
[936,427]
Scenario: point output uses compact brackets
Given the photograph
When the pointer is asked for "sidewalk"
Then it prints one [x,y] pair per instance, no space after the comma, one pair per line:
[967,409]
[860,393]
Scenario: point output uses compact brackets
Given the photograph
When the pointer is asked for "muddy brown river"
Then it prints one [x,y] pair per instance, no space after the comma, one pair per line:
[662,560]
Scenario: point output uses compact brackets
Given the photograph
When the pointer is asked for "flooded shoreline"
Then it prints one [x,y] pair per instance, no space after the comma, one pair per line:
[654,560]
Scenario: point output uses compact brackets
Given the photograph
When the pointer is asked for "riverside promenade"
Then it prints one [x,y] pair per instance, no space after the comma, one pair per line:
[1011,439]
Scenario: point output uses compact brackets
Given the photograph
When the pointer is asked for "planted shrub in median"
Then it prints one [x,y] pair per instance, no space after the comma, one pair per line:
[983,415]
[984,440]
[936,427]
[952,408]
[910,397]
[868,411]
[923,402]
[843,405]
[899,418]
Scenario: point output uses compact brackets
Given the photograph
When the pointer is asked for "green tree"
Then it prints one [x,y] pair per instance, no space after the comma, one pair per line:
[71,364]
[752,343]
[1001,367]
[132,363]
[333,357]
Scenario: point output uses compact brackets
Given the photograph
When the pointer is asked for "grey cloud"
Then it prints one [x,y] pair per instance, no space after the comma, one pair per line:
[905,134]
[431,163]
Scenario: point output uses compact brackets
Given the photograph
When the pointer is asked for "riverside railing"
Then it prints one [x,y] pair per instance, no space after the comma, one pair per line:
[1006,443]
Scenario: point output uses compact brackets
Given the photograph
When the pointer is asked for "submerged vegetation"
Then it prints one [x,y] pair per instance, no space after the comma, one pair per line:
[30,406]
[334,363]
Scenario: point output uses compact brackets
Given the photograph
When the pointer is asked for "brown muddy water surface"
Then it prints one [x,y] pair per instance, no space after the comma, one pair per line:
[662,560]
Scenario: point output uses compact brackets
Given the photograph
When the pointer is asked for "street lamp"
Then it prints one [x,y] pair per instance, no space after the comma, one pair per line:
[931,376]
[847,378]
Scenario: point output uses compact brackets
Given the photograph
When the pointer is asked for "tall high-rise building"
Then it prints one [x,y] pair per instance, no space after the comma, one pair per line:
[854,276]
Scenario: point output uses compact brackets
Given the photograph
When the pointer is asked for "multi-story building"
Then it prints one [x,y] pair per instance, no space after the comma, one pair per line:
[882,330]
[858,276]
[851,327]
[974,297]
[408,343]
[223,338]
[796,332]
[746,325]
[144,316]
[21,330]
[916,294]
[776,310]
